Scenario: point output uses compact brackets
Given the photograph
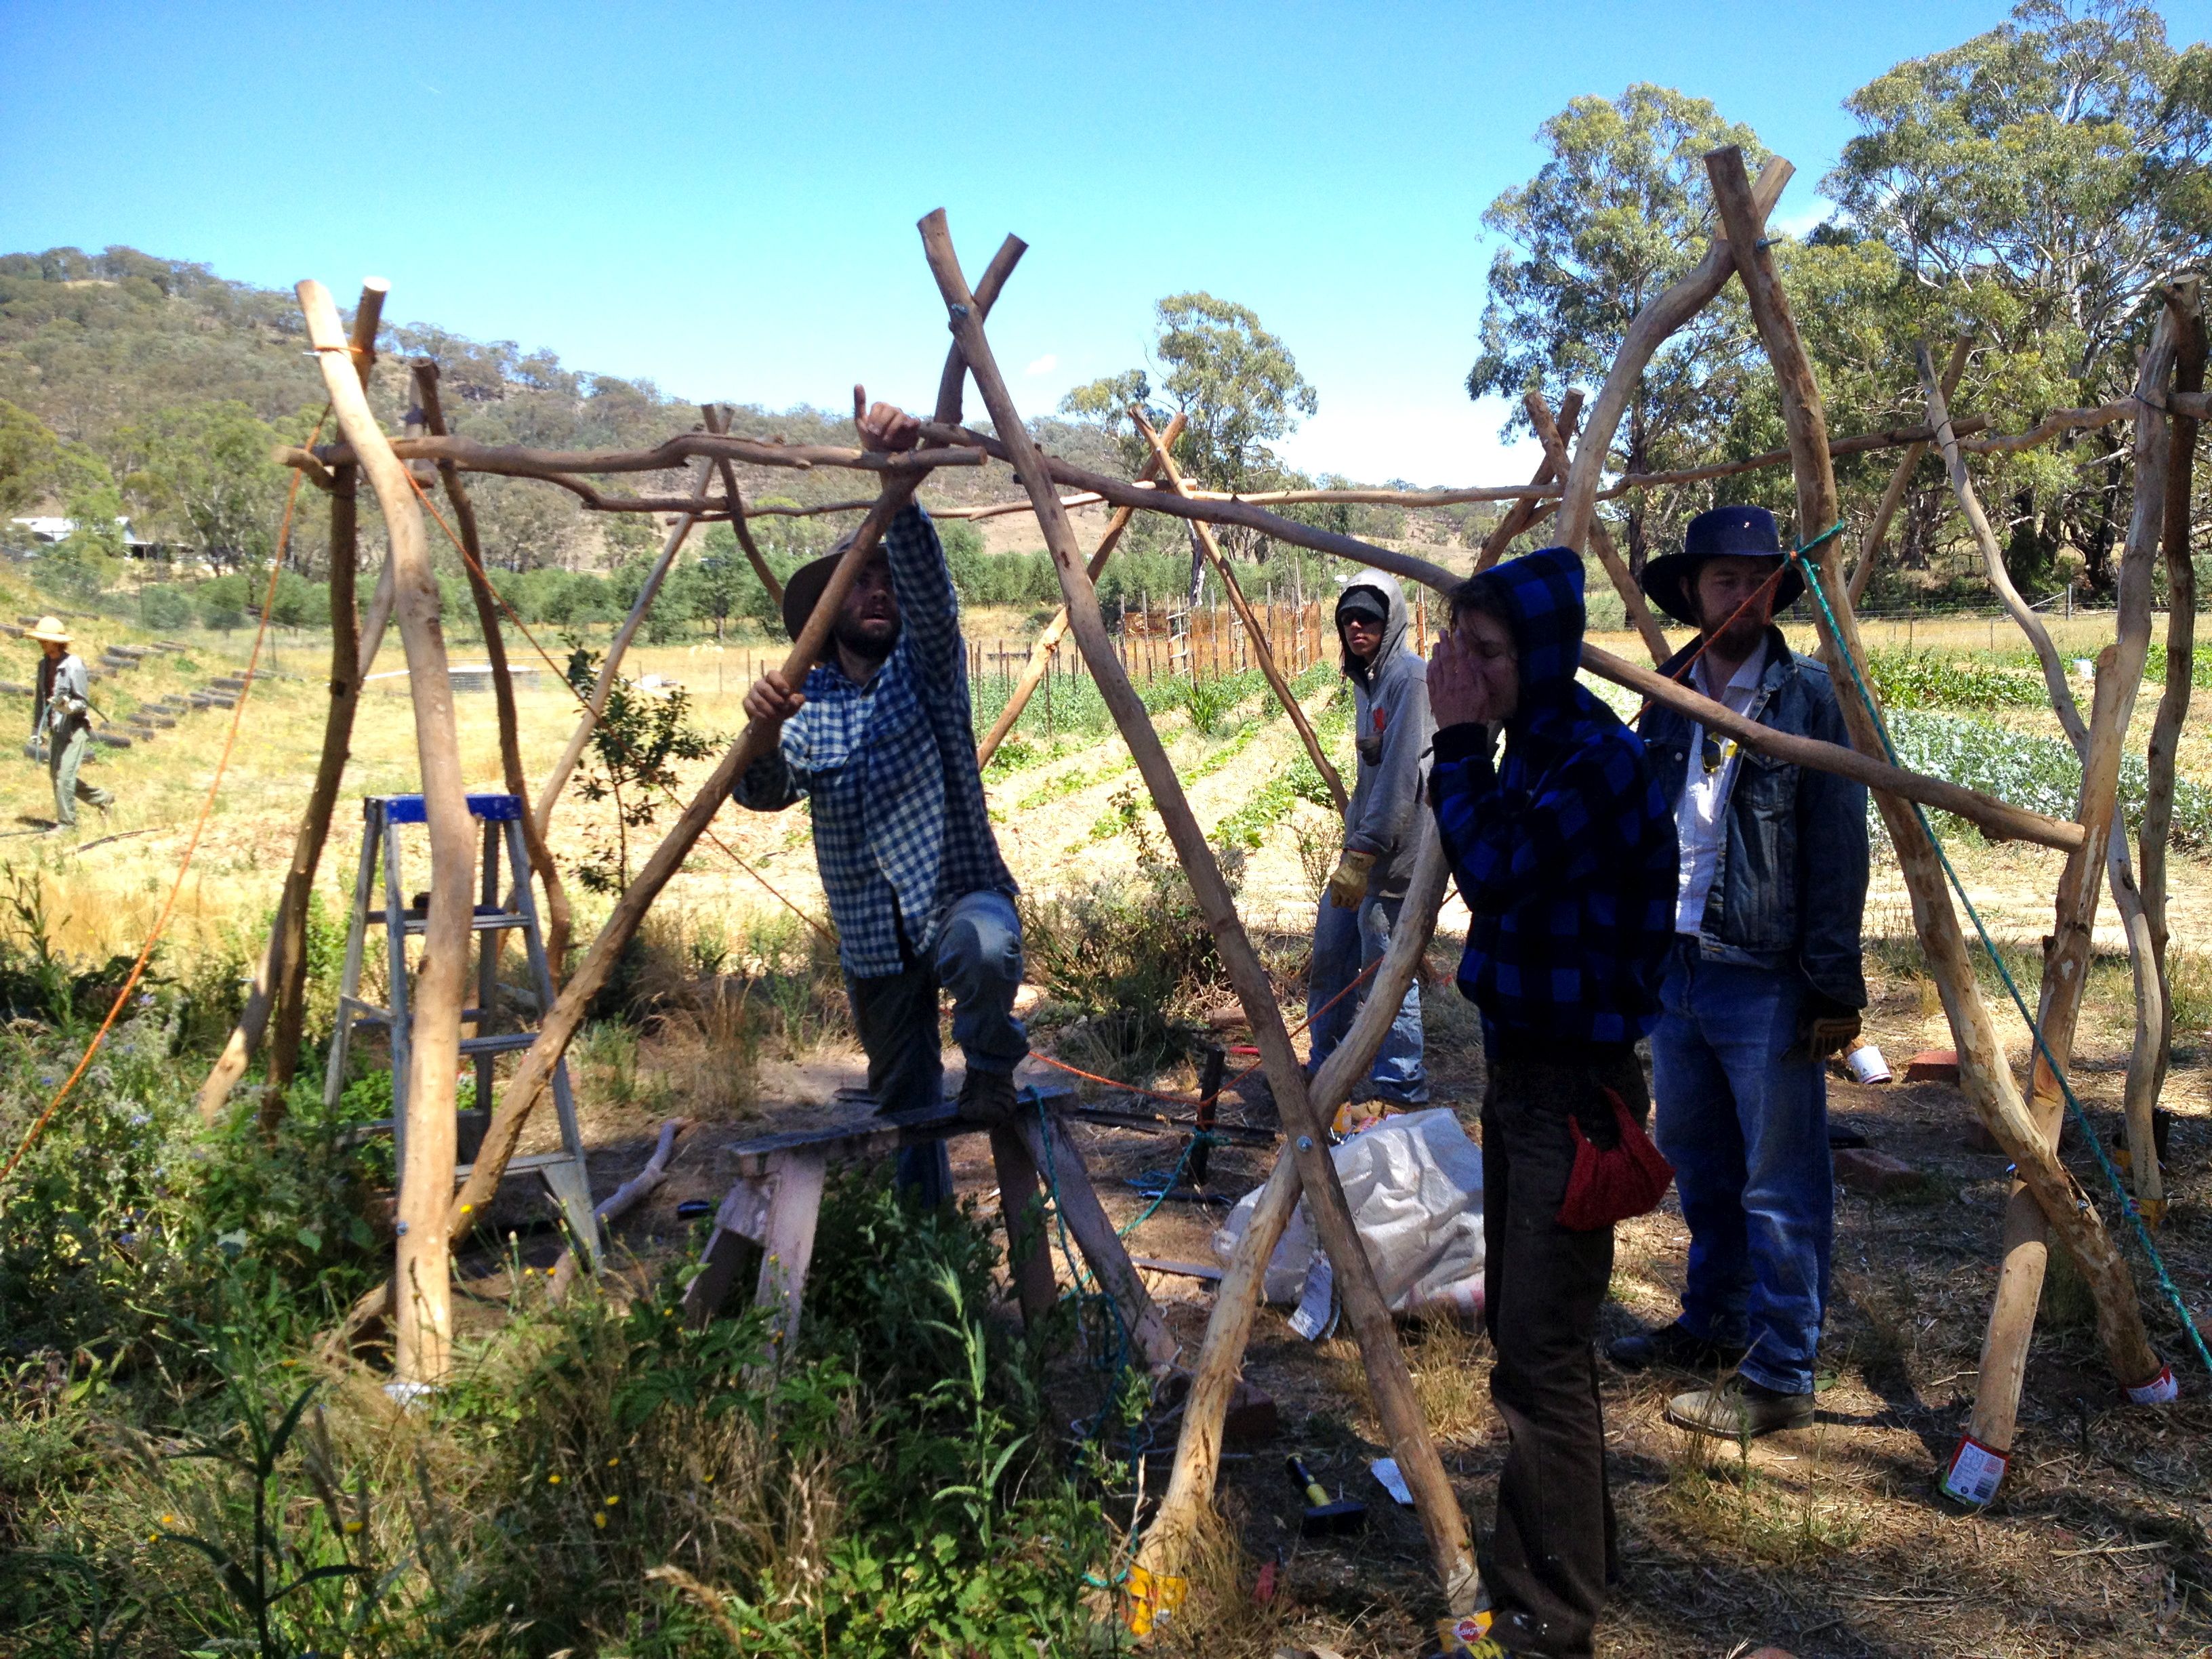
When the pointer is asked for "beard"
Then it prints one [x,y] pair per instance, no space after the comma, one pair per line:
[871,642]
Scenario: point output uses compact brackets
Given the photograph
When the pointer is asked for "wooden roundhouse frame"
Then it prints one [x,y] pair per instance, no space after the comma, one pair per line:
[2165,407]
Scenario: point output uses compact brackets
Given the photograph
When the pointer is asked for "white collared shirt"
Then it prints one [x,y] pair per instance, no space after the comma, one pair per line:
[1701,818]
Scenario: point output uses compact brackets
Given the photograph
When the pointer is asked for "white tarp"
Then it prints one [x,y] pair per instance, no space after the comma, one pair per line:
[1414,1183]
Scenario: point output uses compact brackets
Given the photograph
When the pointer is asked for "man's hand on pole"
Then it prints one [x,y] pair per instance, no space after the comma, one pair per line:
[772,699]
[885,428]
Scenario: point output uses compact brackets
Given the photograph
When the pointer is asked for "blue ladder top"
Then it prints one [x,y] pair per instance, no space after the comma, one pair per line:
[408,808]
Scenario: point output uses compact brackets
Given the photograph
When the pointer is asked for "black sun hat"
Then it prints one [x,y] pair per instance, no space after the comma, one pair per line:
[1741,532]
[803,591]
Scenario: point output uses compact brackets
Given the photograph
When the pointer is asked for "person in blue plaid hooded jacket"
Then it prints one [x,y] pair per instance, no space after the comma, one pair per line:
[880,740]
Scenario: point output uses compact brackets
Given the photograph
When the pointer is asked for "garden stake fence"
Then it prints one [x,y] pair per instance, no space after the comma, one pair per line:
[1569,485]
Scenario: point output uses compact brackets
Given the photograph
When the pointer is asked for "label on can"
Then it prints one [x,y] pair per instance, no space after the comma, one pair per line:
[2160,1389]
[1975,1474]
[1458,1637]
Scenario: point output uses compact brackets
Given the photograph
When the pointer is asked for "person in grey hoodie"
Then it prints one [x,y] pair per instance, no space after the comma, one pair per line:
[1392,729]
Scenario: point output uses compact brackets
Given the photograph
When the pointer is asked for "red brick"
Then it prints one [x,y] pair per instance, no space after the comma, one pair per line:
[1932,1065]
[1865,1170]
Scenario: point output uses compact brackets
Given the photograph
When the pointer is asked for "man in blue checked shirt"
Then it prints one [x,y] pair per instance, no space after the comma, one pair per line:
[881,741]
[1563,850]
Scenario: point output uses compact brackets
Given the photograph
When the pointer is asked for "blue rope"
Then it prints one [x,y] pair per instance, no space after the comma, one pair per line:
[2073,1105]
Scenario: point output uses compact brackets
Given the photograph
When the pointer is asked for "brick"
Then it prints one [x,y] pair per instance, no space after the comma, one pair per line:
[1876,1174]
[1932,1065]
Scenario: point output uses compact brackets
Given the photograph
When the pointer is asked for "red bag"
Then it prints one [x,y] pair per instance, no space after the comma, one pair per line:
[1612,1183]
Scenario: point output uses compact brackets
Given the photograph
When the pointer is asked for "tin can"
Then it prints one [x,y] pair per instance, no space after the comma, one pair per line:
[1867,1065]
[1975,1471]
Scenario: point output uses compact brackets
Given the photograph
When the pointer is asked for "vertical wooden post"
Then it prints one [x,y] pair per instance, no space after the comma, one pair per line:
[1370,1318]
[423,1303]
[280,980]
[1280,687]
[1900,480]
[1982,1069]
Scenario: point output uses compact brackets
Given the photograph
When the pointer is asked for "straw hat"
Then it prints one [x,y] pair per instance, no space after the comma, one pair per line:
[49,628]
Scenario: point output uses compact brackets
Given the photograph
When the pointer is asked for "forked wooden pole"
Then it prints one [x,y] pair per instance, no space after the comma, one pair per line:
[1253,631]
[1601,540]
[1040,653]
[1900,480]
[558,922]
[423,1269]
[1982,1069]
[1520,515]
[1388,1380]
[535,1072]
[283,960]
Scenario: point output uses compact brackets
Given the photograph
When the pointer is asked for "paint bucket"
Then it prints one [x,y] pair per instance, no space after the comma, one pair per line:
[1867,1065]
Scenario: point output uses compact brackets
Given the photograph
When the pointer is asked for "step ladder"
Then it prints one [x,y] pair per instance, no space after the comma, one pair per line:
[563,1172]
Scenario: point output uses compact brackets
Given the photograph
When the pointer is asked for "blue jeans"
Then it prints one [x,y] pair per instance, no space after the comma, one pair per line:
[1345,942]
[979,959]
[1745,1127]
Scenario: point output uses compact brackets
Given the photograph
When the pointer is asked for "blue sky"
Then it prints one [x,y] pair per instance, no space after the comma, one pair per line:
[722,198]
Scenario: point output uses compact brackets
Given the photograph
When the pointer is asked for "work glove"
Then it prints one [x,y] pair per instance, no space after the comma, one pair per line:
[1347,883]
[1825,1027]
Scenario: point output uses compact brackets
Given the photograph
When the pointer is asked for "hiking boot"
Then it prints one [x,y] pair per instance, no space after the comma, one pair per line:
[1671,1347]
[1739,1409]
[987,1097]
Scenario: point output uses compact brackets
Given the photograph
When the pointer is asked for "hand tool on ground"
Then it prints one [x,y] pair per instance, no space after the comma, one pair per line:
[1322,1517]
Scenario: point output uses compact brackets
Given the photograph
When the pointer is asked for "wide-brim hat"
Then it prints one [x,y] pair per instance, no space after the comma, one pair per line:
[1740,532]
[803,591]
[49,628]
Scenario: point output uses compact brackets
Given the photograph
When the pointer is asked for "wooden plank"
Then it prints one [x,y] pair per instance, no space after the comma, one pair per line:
[1021,1208]
[788,1249]
[1052,1153]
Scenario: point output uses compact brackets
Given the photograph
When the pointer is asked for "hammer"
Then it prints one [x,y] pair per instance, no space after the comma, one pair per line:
[1323,1517]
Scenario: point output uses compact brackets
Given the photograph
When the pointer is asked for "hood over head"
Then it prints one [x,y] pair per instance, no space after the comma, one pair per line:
[1540,595]
[1395,618]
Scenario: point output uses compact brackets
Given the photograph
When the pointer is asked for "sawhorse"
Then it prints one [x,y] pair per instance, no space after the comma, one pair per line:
[776,1199]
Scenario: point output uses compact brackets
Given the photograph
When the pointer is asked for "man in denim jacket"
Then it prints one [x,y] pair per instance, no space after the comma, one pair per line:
[1763,983]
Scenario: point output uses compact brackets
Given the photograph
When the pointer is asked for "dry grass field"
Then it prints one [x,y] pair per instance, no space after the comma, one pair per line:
[1827,1542]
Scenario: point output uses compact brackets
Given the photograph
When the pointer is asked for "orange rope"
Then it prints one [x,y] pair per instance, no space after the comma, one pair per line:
[586,703]
[199,827]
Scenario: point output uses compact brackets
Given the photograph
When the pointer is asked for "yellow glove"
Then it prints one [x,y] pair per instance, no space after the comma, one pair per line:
[1347,883]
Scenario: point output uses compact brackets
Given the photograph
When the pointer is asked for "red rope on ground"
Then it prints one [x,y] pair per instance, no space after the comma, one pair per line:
[585,702]
[199,827]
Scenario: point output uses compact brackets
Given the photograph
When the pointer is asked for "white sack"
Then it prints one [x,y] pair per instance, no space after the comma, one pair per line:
[1414,1183]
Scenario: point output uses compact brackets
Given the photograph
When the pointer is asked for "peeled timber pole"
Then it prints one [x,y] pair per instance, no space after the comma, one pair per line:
[284,961]
[1983,1071]
[1520,514]
[423,1268]
[557,918]
[1237,602]
[1047,642]
[535,1072]
[1390,1384]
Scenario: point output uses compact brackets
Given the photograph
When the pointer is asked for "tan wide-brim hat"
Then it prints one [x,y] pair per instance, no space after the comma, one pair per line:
[49,628]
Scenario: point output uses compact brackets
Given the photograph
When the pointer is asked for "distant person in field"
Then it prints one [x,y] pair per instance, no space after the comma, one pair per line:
[61,720]
[1563,849]
[880,741]
[1763,983]
[1391,730]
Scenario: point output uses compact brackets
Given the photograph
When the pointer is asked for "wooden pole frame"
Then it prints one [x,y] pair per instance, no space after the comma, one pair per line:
[1548,434]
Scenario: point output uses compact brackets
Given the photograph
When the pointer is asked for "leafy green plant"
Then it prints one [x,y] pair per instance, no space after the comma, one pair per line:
[636,745]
